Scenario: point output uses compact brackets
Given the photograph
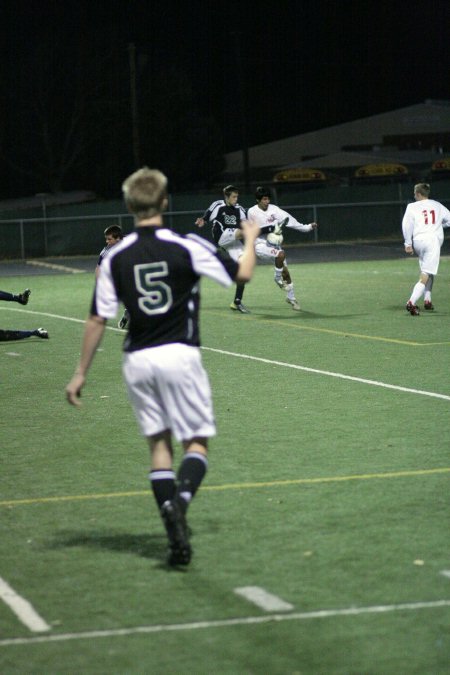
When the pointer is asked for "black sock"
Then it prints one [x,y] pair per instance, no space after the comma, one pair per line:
[163,485]
[239,293]
[190,475]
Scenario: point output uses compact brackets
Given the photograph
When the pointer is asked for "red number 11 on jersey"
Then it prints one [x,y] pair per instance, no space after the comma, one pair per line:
[432,214]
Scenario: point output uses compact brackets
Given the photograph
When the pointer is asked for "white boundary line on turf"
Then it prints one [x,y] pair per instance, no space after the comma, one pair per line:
[294,366]
[329,373]
[223,623]
[54,266]
[56,316]
[22,608]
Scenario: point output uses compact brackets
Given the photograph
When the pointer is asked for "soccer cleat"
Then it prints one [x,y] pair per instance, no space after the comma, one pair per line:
[280,282]
[23,297]
[293,303]
[428,304]
[239,307]
[412,309]
[42,333]
[177,532]
[123,323]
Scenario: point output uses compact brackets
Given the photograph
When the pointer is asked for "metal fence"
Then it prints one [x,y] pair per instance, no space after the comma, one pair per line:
[83,235]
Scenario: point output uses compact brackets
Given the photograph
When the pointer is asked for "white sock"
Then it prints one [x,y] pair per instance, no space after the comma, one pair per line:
[427,297]
[417,292]
[290,292]
[278,271]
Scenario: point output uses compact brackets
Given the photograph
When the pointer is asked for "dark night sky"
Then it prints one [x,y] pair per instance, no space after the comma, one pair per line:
[266,70]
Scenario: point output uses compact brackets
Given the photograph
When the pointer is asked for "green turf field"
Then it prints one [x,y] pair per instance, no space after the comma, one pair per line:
[328,488]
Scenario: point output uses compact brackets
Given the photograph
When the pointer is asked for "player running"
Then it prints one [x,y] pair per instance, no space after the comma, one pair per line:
[423,232]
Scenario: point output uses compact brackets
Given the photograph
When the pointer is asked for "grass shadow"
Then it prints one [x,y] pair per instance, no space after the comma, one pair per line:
[143,545]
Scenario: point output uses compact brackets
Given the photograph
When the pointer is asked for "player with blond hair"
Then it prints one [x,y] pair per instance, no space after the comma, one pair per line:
[156,273]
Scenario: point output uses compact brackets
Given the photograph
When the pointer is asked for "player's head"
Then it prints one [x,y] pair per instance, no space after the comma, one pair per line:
[113,234]
[229,189]
[262,196]
[145,193]
[422,190]
[261,192]
[230,194]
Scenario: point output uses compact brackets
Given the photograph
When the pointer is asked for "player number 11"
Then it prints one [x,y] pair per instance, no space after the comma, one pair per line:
[426,216]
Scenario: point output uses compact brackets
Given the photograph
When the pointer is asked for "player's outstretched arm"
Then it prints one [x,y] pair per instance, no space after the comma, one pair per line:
[247,261]
[93,333]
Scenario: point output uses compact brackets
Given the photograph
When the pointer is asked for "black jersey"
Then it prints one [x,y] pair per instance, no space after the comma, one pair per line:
[155,273]
[222,216]
[103,253]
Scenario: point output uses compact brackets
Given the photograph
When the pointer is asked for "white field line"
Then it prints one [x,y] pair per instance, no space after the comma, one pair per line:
[446,573]
[224,623]
[282,364]
[22,608]
[263,599]
[56,316]
[53,266]
[329,373]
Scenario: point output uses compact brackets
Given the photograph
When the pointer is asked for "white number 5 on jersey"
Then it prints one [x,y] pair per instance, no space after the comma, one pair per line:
[156,296]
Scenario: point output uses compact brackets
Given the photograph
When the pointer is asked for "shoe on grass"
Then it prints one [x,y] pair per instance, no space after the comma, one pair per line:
[22,298]
[177,532]
[293,303]
[239,307]
[412,309]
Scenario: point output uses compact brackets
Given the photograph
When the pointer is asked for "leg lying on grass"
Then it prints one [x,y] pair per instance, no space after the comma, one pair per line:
[21,298]
[8,335]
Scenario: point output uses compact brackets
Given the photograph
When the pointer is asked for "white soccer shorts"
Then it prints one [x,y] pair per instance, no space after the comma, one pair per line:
[429,251]
[234,247]
[265,251]
[169,389]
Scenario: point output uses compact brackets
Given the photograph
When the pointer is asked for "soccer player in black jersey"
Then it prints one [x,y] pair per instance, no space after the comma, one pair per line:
[113,234]
[226,216]
[156,274]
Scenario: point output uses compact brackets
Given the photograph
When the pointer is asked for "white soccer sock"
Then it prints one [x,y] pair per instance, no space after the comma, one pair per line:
[290,291]
[427,296]
[278,272]
[417,292]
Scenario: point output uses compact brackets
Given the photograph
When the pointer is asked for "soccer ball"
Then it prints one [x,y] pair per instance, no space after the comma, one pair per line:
[275,239]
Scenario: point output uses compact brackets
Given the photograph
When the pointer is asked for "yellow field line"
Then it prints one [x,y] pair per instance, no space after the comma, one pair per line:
[234,486]
[360,336]
[288,324]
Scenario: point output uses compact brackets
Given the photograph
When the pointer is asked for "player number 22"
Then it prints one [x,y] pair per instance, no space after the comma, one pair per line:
[156,295]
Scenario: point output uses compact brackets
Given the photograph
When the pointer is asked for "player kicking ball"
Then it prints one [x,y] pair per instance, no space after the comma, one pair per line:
[271,220]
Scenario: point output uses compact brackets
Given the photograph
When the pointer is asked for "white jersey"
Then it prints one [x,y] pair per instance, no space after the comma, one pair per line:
[273,215]
[423,219]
